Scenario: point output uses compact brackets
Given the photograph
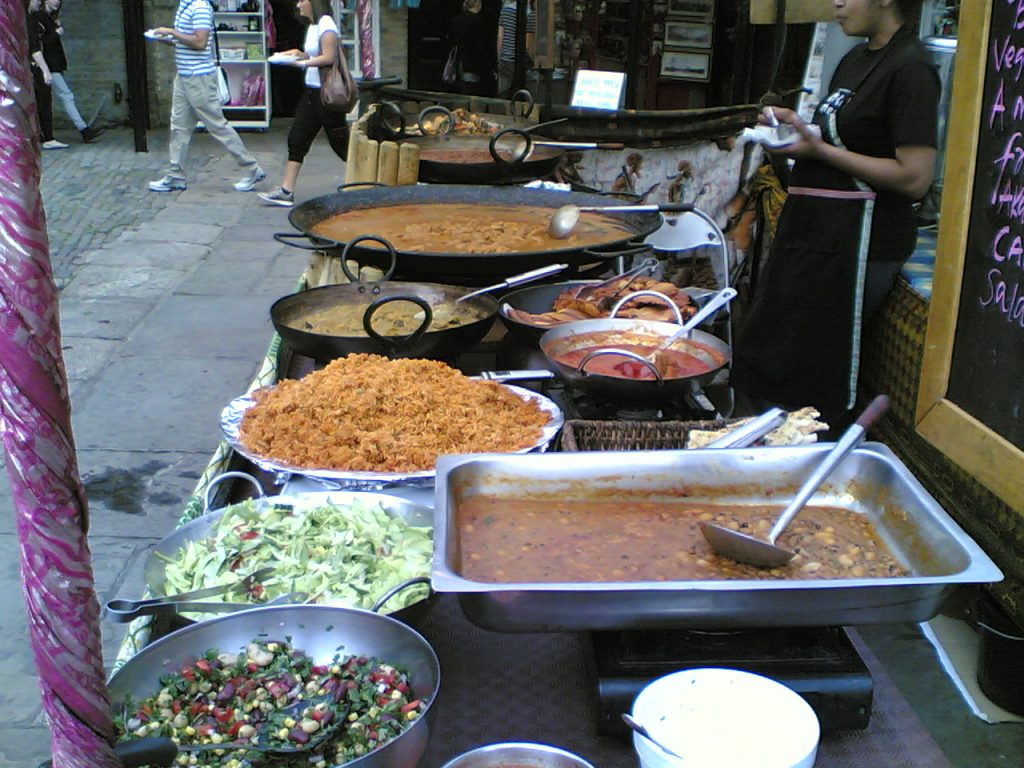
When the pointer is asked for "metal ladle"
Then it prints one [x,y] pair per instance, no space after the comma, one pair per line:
[564,220]
[764,553]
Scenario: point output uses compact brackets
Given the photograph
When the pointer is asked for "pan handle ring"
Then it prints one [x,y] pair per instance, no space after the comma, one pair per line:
[380,601]
[526,98]
[212,485]
[625,353]
[444,111]
[506,163]
[292,239]
[387,111]
[653,294]
[394,343]
[392,255]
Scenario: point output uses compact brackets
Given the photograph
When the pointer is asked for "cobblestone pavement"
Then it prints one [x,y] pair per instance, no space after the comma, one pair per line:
[93,192]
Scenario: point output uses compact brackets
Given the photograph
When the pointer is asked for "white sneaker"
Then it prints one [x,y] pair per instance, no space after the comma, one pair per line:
[54,144]
[250,180]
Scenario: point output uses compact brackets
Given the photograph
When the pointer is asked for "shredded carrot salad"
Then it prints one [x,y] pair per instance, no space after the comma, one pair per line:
[366,413]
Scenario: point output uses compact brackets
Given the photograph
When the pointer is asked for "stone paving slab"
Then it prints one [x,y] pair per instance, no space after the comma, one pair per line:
[92,281]
[215,329]
[101,318]
[132,254]
[172,404]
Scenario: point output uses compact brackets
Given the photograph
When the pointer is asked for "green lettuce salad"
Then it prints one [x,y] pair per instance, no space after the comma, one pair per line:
[347,553]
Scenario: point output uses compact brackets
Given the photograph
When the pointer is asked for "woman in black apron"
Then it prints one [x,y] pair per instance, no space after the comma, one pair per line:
[848,223]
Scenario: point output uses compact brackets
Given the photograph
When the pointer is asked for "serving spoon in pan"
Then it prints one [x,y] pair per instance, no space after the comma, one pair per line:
[564,220]
[766,553]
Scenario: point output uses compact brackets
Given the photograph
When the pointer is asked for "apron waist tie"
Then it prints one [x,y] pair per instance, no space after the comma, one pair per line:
[832,194]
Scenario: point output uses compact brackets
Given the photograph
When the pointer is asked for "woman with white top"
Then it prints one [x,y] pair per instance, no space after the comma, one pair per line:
[319,50]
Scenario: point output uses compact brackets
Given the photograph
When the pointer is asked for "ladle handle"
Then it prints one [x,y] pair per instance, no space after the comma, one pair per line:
[850,439]
[661,208]
[721,298]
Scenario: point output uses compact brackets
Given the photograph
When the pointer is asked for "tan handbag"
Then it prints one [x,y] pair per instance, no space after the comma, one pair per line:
[338,89]
[797,11]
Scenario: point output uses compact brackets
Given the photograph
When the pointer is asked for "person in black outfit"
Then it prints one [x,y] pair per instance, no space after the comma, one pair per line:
[42,78]
[57,61]
[476,60]
[848,224]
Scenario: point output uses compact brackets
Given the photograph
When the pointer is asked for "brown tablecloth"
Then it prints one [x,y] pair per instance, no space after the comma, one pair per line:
[536,687]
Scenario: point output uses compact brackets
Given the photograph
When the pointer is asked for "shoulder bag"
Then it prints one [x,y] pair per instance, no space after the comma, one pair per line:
[223,89]
[338,89]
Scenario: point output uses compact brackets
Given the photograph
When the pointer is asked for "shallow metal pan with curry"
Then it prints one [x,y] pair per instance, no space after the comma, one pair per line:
[467,231]
[633,499]
[424,320]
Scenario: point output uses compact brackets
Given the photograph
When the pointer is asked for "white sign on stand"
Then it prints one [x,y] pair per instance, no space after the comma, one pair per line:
[595,89]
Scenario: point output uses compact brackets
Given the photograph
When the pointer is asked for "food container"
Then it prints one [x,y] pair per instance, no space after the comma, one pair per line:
[322,632]
[872,481]
[724,717]
[202,529]
[517,755]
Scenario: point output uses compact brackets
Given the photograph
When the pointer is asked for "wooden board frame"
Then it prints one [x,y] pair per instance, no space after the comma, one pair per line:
[993,460]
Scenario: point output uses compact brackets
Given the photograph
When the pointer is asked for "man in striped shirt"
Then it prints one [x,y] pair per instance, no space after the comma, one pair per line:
[196,97]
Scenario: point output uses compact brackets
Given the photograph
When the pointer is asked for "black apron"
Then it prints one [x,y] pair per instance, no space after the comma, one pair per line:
[800,343]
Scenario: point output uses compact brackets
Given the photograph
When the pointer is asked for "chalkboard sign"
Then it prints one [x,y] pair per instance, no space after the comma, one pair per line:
[971,401]
[987,374]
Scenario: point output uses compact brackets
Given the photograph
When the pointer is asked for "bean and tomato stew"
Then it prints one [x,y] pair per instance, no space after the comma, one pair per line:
[545,541]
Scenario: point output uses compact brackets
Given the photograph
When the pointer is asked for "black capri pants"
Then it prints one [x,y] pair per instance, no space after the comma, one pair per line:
[310,117]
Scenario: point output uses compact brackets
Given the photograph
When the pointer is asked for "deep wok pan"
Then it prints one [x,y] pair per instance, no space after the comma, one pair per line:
[441,344]
[568,337]
[473,266]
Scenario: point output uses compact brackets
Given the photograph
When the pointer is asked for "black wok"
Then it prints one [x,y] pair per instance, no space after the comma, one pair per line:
[462,159]
[571,336]
[475,317]
[466,266]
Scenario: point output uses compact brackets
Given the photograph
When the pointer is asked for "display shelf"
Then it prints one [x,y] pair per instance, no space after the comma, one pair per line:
[248,77]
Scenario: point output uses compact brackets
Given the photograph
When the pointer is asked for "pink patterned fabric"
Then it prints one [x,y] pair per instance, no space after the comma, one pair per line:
[35,418]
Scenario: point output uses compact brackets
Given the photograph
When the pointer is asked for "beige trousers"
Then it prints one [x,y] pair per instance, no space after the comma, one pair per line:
[196,98]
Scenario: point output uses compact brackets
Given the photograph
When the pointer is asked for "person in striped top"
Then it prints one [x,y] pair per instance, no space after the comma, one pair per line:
[196,97]
[507,45]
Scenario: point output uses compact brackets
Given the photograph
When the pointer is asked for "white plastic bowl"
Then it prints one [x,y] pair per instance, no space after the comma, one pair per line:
[723,717]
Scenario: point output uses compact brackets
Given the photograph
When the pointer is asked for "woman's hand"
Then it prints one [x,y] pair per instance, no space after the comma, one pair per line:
[809,145]
[293,52]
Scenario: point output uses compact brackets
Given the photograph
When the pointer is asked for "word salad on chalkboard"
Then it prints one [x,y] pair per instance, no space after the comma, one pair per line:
[987,374]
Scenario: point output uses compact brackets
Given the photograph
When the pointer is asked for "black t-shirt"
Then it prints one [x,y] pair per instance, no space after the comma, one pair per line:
[43,35]
[887,98]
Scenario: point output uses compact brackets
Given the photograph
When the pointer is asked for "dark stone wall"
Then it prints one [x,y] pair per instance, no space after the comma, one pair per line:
[94,41]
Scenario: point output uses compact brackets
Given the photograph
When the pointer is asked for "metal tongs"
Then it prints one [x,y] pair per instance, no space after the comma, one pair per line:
[122,611]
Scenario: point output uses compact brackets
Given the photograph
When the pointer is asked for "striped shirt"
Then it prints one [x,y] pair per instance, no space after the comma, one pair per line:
[193,15]
[507,22]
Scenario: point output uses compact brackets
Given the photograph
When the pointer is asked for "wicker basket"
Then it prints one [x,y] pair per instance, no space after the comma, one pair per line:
[581,435]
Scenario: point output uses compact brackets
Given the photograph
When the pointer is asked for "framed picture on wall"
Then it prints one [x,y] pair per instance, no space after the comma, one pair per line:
[686,65]
[688,34]
[694,9]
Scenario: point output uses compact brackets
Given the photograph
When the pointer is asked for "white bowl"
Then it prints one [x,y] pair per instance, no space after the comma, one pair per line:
[517,753]
[724,717]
